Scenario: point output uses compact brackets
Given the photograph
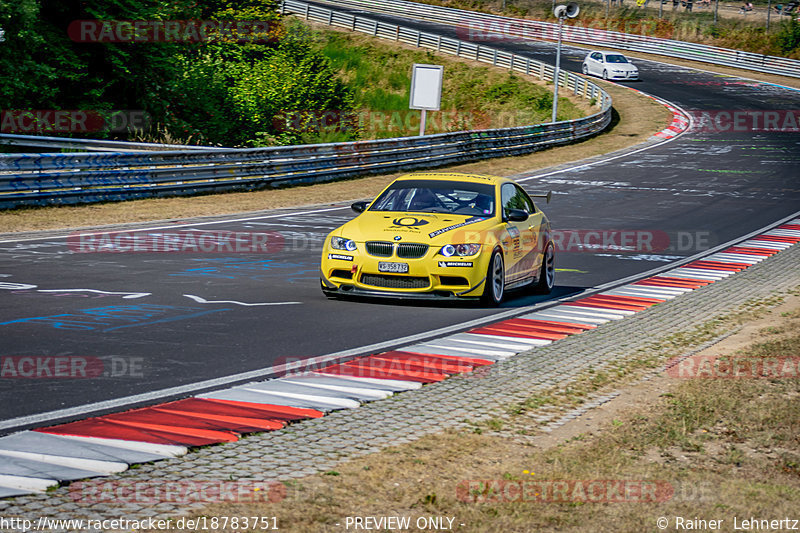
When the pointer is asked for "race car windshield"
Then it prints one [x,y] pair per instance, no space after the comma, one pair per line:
[616,58]
[430,196]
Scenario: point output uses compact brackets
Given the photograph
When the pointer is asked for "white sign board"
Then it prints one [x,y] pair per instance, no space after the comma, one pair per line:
[426,87]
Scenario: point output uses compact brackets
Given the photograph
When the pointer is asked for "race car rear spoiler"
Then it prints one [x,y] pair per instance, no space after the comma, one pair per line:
[546,196]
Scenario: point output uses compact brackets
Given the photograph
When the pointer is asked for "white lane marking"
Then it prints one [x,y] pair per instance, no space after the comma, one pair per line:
[396,383]
[469,349]
[602,312]
[488,341]
[784,232]
[675,291]
[750,260]
[637,294]
[555,316]
[619,312]
[427,349]
[702,273]
[166,450]
[643,294]
[773,245]
[93,465]
[30,484]
[201,300]
[16,286]
[370,393]
[173,226]
[499,340]
[326,402]
[687,276]
[128,295]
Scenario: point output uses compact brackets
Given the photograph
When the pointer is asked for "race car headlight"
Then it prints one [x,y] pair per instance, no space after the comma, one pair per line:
[340,243]
[461,250]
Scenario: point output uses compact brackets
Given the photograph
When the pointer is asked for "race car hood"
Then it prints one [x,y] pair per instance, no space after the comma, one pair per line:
[622,67]
[419,227]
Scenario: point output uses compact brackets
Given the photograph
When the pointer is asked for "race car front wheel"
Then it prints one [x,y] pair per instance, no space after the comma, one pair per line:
[494,287]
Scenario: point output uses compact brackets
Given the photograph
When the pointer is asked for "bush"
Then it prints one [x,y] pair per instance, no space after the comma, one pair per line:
[788,38]
[218,92]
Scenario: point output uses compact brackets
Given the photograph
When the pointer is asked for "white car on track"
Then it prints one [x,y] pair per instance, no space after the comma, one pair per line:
[610,66]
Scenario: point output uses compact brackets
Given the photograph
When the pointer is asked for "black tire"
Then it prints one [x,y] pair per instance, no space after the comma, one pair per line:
[605,74]
[547,275]
[585,70]
[494,286]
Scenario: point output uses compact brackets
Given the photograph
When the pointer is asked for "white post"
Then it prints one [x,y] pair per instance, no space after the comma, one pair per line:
[422,119]
[557,72]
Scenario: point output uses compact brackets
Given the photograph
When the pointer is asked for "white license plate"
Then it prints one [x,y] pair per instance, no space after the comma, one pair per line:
[397,268]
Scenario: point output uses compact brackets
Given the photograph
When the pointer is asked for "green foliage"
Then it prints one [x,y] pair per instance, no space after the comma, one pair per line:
[288,82]
[788,37]
[220,91]
[516,90]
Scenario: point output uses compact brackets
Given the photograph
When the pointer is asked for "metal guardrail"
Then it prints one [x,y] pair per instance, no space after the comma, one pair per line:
[98,145]
[52,178]
[495,27]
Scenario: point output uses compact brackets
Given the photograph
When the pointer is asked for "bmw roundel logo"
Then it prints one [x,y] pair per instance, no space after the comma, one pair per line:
[397,238]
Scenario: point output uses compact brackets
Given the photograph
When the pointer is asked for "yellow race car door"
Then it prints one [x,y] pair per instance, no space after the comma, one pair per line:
[520,247]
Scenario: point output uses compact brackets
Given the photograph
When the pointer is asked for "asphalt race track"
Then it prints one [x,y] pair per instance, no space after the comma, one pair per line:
[134,322]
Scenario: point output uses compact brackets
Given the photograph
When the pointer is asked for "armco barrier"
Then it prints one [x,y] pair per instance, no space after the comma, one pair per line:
[99,145]
[52,178]
[488,27]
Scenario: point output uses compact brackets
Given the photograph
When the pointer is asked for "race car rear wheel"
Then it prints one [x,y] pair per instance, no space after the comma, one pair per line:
[547,276]
[494,287]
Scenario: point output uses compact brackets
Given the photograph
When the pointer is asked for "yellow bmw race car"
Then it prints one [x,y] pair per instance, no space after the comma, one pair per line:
[440,235]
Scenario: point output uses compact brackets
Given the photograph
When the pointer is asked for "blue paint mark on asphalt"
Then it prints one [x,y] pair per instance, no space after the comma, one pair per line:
[115,317]
[235,268]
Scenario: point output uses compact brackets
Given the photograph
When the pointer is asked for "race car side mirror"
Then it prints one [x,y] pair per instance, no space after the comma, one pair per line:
[517,215]
[359,207]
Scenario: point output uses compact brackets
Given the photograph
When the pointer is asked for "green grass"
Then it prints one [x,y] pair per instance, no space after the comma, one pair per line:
[473,97]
